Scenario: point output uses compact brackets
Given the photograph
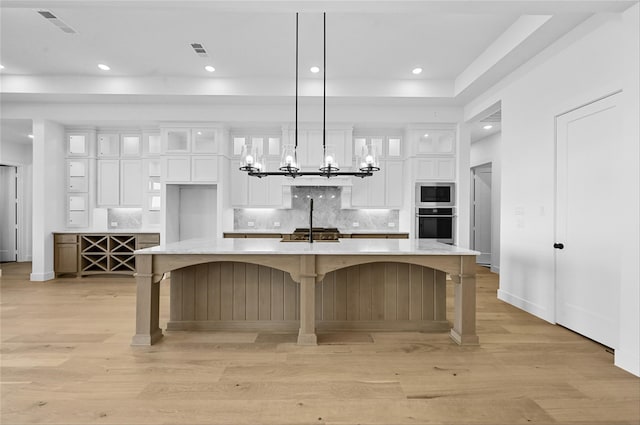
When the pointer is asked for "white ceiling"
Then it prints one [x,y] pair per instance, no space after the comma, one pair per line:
[464,47]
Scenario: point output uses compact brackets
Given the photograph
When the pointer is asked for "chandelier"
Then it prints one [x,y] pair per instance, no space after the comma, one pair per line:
[289,166]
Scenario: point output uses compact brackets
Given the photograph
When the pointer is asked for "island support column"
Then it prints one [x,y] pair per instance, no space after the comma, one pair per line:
[147,303]
[464,320]
[307,333]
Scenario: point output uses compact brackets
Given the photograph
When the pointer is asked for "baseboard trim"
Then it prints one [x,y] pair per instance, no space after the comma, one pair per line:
[532,308]
[41,277]
[495,269]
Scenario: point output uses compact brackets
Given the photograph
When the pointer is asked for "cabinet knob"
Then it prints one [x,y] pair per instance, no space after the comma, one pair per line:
[558,245]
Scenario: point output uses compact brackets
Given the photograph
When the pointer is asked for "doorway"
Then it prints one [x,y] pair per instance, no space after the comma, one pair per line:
[587,229]
[481,213]
[8,213]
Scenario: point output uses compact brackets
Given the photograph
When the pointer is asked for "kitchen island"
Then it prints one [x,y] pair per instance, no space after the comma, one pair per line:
[307,266]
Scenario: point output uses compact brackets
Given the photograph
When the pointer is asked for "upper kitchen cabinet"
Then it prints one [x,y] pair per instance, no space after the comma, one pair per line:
[151,145]
[384,188]
[130,145]
[79,143]
[191,153]
[204,140]
[433,152]
[108,145]
[310,148]
[176,140]
[437,142]
[265,146]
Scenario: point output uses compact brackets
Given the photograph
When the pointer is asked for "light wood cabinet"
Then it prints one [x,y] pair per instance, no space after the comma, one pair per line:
[99,253]
[65,254]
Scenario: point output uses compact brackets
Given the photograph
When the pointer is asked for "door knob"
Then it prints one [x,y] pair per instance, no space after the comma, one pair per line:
[558,245]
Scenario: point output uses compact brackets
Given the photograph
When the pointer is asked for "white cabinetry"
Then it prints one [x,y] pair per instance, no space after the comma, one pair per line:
[108,183]
[252,191]
[119,176]
[79,147]
[131,183]
[434,153]
[310,155]
[191,154]
[384,188]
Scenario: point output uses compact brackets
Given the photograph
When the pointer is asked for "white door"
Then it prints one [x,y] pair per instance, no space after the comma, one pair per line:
[8,216]
[587,228]
[197,216]
[482,213]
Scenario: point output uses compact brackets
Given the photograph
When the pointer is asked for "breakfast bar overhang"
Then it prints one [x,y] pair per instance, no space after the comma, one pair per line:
[307,264]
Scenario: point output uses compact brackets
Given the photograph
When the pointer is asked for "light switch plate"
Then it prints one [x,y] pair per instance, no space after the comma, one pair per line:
[276,224]
[114,224]
[355,224]
[251,224]
[391,224]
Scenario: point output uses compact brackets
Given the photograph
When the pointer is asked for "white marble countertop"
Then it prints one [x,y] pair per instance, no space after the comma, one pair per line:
[110,231]
[343,247]
[344,232]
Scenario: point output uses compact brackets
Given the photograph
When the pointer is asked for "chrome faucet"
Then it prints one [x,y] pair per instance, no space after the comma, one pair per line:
[311,220]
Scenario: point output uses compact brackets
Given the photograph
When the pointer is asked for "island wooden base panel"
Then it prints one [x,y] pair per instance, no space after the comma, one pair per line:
[66,359]
[294,325]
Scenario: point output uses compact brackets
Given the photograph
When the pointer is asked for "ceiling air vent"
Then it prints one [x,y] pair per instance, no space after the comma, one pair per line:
[46,14]
[495,117]
[200,50]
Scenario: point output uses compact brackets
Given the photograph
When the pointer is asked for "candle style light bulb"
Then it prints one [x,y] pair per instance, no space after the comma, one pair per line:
[329,160]
[369,159]
[288,160]
[249,160]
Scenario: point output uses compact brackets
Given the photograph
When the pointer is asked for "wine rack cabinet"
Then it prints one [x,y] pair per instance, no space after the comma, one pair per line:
[99,253]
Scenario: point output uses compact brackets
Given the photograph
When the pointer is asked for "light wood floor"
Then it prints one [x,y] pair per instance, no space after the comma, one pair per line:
[66,359]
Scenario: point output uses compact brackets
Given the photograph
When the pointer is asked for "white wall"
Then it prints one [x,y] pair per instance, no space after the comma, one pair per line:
[597,58]
[20,155]
[482,152]
[48,194]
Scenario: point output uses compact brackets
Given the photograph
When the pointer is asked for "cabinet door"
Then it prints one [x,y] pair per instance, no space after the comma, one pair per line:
[377,188]
[239,186]
[177,140]
[360,192]
[445,168]
[204,168]
[177,168]
[131,182]
[258,192]
[78,219]
[151,144]
[130,145]
[108,145]
[204,140]
[108,182]
[394,183]
[425,168]
[77,144]
[66,258]
[77,175]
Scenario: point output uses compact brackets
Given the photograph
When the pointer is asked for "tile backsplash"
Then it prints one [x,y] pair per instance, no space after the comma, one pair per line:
[327,212]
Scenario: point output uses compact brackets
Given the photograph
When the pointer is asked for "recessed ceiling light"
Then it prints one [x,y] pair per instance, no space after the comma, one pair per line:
[417,71]
[1,67]
[426,134]
[209,68]
[488,127]
[314,69]
[30,136]
[104,67]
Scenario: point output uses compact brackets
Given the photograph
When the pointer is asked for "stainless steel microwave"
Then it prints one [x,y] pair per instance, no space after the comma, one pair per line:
[435,195]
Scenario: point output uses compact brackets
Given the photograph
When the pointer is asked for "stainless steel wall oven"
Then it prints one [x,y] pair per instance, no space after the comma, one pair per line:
[436,223]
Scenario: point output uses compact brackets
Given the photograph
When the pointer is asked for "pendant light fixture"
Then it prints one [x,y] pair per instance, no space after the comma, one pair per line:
[289,166]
